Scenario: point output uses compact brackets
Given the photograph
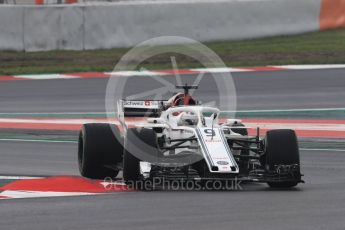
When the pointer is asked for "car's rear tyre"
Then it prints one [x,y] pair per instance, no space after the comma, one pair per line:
[138,142]
[98,148]
[281,148]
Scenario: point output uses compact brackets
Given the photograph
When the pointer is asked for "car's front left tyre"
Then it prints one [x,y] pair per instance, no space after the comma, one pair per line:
[99,150]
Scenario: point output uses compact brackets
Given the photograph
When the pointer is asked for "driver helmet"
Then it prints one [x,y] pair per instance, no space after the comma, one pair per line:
[182,99]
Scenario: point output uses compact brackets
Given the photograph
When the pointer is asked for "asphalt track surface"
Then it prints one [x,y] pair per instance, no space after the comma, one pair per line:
[254,90]
[318,204]
[38,159]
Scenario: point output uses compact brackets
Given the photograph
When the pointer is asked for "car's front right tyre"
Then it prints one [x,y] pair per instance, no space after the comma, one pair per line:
[281,148]
[138,142]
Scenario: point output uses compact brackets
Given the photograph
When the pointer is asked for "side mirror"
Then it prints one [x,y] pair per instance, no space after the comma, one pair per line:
[157,120]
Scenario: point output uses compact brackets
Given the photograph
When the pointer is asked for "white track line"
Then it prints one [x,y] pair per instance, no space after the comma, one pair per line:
[334,150]
[136,73]
[310,67]
[223,70]
[57,113]
[286,110]
[296,126]
[37,140]
[67,121]
[46,76]
[36,194]
[19,177]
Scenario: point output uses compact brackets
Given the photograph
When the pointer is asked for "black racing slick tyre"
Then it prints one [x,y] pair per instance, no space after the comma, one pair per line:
[98,150]
[281,148]
[138,142]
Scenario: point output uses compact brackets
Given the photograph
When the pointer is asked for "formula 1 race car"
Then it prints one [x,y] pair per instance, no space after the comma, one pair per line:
[182,139]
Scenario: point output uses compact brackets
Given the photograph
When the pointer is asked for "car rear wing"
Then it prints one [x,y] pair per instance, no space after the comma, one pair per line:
[145,108]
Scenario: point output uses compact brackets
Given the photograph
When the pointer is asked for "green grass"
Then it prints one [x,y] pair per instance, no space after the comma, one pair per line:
[326,47]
